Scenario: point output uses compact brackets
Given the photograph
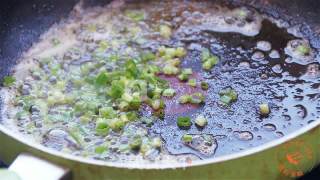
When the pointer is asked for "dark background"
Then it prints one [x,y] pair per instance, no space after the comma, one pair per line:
[22,21]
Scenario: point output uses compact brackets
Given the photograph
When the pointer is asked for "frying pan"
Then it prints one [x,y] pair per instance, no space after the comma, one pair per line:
[21,24]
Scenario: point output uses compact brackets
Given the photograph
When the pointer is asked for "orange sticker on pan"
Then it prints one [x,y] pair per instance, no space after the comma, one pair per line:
[294,158]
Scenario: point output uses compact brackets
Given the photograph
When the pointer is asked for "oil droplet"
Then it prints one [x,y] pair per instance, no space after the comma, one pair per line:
[301,111]
[277,69]
[257,56]
[243,135]
[263,45]
[311,121]
[246,121]
[269,127]
[279,134]
[287,117]
[244,64]
[274,54]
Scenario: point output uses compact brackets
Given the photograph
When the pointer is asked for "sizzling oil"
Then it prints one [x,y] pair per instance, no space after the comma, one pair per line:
[258,74]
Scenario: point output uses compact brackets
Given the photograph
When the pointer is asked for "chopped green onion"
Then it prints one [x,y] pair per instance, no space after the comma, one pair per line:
[207,65]
[204,85]
[226,99]
[100,149]
[185,99]
[157,104]
[135,15]
[174,62]
[180,52]
[123,106]
[303,49]
[159,113]
[8,81]
[201,121]
[131,115]
[170,70]
[228,95]
[183,77]
[156,142]
[192,82]
[165,31]
[147,56]
[102,127]
[102,79]
[131,69]
[116,124]
[187,138]
[147,120]
[107,112]
[168,92]
[208,60]
[264,109]
[127,97]
[117,89]
[85,119]
[135,142]
[55,41]
[184,122]
[205,54]
[197,98]
[135,103]
[187,71]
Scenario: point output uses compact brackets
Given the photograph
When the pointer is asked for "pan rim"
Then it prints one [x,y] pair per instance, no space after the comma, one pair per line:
[158,166]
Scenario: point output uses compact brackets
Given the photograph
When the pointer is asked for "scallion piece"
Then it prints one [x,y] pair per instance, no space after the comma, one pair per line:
[147,56]
[100,149]
[185,99]
[102,127]
[170,70]
[187,138]
[183,77]
[116,90]
[201,121]
[264,109]
[8,81]
[107,112]
[228,95]
[204,85]
[157,104]
[197,98]
[102,79]
[156,142]
[180,52]
[192,82]
[116,124]
[165,31]
[226,99]
[135,15]
[303,49]
[187,71]
[184,122]
[168,92]
[135,143]
[127,97]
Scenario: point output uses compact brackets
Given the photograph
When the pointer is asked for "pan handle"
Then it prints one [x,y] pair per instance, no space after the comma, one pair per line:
[29,167]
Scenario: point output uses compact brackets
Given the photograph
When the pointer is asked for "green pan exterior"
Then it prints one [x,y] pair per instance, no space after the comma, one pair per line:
[284,159]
